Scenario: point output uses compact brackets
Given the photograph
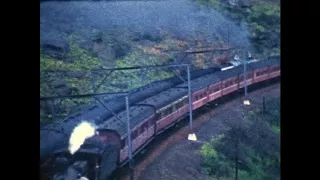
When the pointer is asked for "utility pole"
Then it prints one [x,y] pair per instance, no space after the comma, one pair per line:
[236,158]
[191,136]
[190,100]
[228,35]
[129,139]
[264,104]
[245,78]
[246,101]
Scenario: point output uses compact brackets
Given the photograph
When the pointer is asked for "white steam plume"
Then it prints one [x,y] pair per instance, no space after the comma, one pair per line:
[80,133]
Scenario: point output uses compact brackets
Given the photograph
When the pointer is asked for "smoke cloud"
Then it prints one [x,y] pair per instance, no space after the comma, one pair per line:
[180,17]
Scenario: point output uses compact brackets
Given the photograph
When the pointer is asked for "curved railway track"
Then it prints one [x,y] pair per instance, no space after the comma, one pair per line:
[180,131]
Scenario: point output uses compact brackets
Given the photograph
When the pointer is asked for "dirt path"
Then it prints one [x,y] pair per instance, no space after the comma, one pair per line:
[177,158]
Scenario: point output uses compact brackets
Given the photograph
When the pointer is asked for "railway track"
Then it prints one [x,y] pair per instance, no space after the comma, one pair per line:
[180,130]
[161,109]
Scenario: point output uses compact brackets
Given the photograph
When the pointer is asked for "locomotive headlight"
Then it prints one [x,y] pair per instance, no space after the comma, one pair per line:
[80,133]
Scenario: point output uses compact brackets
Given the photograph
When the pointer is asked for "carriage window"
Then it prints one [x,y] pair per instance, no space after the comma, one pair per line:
[170,110]
[134,134]
[259,73]
[186,101]
[150,122]
[212,90]
[227,83]
[241,78]
[161,114]
[215,89]
[182,103]
[123,143]
[144,126]
[277,68]
[173,107]
[139,131]
[158,116]
[166,112]
[179,104]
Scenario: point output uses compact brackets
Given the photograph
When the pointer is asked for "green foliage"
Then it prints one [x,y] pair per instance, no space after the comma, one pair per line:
[257,28]
[275,51]
[138,78]
[215,164]
[265,8]
[210,3]
[208,151]
[264,22]
[256,165]
[242,174]
[258,150]
[276,129]
[262,18]
[82,59]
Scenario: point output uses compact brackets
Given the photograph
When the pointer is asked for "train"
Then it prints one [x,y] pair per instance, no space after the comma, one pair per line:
[153,109]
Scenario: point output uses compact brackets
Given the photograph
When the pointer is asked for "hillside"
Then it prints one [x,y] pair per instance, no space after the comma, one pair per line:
[78,36]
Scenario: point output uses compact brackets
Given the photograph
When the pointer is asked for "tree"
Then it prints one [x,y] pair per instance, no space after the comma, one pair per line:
[250,147]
